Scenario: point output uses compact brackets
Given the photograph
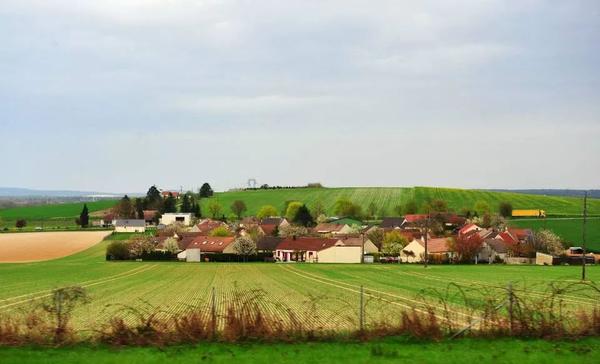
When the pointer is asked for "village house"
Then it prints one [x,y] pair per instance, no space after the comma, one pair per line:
[467,229]
[268,244]
[107,220]
[205,226]
[130,226]
[279,221]
[176,217]
[412,220]
[333,229]
[150,217]
[166,194]
[392,222]
[437,248]
[202,247]
[268,229]
[369,246]
[493,250]
[317,250]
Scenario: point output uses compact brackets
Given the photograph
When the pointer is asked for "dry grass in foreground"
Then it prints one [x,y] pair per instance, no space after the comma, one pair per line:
[517,313]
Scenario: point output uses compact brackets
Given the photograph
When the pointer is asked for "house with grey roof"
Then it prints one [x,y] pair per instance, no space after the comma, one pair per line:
[130,225]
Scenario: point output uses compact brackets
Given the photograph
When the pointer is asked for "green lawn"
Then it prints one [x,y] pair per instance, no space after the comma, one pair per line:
[389,197]
[390,350]
[323,294]
[570,230]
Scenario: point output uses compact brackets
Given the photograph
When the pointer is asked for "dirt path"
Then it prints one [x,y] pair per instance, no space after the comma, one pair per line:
[33,247]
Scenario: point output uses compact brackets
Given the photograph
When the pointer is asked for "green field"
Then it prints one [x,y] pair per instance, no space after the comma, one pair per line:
[569,229]
[50,215]
[389,350]
[323,294]
[389,197]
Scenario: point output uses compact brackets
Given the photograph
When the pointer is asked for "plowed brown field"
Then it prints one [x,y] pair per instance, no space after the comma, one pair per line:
[32,247]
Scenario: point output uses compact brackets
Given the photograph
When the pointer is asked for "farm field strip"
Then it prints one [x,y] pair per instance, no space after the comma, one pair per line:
[84,282]
[83,285]
[367,288]
[443,282]
[540,294]
[356,289]
[313,304]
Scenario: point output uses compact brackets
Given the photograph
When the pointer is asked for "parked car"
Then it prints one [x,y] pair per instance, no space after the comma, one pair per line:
[387,260]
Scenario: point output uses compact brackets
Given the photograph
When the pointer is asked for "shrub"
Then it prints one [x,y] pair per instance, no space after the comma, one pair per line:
[117,250]
[393,243]
[267,211]
[221,231]
[505,209]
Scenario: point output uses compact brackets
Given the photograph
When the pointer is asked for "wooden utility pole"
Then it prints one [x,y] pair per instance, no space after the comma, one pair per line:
[583,236]
[362,248]
[426,233]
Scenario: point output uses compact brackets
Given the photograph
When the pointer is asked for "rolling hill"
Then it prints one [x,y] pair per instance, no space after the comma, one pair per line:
[62,214]
[386,198]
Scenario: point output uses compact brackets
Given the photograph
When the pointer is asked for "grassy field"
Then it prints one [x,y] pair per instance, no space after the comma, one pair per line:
[390,350]
[570,229]
[387,198]
[51,215]
[325,294]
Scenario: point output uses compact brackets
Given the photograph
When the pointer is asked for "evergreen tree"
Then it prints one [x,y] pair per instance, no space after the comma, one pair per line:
[303,217]
[125,209]
[139,208]
[153,200]
[170,204]
[206,190]
[84,217]
[196,210]
[186,203]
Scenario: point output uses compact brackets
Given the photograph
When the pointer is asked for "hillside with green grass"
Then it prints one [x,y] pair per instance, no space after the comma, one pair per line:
[386,198]
[51,214]
[569,229]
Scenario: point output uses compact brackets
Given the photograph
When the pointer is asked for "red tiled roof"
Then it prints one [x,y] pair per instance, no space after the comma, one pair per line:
[437,245]
[415,218]
[353,240]
[520,234]
[211,244]
[268,228]
[208,225]
[466,228]
[150,214]
[455,219]
[313,244]
[174,193]
[508,238]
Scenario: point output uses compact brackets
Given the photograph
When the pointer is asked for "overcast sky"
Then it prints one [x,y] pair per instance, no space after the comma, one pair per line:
[117,95]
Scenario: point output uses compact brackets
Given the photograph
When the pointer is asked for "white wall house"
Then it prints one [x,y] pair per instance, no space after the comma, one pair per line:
[317,250]
[171,218]
[130,226]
